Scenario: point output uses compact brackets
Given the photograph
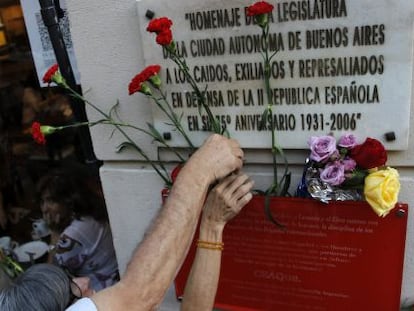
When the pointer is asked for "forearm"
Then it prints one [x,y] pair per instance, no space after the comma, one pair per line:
[162,251]
[205,272]
[155,262]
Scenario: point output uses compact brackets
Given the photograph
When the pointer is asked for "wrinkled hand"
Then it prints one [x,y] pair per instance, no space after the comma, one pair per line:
[218,157]
[227,199]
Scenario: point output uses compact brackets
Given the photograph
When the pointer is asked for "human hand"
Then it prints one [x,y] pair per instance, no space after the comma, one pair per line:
[217,157]
[227,199]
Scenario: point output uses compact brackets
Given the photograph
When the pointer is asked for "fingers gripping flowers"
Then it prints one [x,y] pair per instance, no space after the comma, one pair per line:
[350,171]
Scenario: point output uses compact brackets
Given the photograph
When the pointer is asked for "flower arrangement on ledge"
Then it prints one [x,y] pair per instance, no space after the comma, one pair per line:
[335,171]
[347,170]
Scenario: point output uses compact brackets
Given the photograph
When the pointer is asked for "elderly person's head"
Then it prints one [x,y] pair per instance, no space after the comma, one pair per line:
[42,287]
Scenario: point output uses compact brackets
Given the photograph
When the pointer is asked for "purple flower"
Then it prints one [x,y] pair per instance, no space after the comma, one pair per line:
[349,164]
[333,173]
[322,147]
[348,141]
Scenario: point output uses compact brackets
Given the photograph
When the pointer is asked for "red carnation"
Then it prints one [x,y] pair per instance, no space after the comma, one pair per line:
[370,154]
[37,134]
[164,37]
[159,24]
[135,84]
[259,8]
[47,78]
[150,71]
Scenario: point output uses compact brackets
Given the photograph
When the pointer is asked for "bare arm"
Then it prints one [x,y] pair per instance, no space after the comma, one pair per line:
[223,203]
[156,260]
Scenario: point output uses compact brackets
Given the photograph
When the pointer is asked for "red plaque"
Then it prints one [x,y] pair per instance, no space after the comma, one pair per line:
[338,256]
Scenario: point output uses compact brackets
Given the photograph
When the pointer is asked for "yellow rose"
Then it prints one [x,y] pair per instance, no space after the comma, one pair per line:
[381,190]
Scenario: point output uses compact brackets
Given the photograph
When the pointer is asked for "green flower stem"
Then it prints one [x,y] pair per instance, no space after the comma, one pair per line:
[200,95]
[75,125]
[265,36]
[165,176]
[112,122]
[171,115]
[277,186]
[159,139]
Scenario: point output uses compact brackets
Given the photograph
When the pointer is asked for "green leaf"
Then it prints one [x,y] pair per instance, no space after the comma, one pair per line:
[357,180]
[263,121]
[154,133]
[114,109]
[127,144]
[285,182]
[112,133]
[269,214]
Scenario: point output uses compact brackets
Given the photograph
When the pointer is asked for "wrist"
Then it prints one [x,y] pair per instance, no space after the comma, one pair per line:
[200,169]
[199,176]
[212,232]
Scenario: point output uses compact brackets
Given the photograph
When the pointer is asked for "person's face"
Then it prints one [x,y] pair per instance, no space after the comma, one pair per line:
[56,216]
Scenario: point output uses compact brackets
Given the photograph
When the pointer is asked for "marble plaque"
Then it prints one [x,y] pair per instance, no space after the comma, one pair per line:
[341,66]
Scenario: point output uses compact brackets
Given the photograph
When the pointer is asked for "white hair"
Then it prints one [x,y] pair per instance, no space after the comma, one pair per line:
[42,287]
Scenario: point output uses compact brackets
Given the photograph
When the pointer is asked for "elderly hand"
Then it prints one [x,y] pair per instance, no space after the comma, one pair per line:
[217,157]
[226,199]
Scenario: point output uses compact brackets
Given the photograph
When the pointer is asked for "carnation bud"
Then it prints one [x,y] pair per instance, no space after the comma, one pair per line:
[262,20]
[47,130]
[155,81]
[145,89]
[58,79]
[171,47]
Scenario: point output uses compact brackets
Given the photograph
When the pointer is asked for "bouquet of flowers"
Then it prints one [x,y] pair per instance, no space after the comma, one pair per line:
[148,83]
[346,170]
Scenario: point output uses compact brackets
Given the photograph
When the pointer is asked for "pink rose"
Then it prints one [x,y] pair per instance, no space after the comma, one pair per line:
[349,164]
[348,141]
[322,147]
[333,173]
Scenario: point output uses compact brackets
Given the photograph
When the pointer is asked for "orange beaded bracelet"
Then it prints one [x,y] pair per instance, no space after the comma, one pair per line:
[218,246]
